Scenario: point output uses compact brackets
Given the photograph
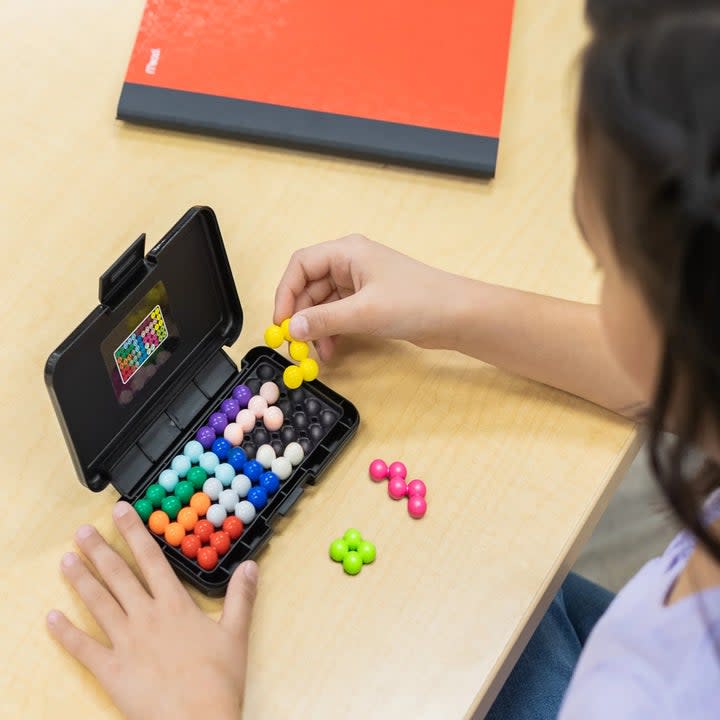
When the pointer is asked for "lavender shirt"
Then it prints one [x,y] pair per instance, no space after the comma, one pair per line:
[646,660]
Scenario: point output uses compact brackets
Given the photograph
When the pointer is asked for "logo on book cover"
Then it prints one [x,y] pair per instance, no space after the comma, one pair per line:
[153,62]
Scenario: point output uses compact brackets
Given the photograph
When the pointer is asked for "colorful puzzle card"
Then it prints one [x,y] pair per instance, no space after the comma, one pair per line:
[135,349]
[142,342]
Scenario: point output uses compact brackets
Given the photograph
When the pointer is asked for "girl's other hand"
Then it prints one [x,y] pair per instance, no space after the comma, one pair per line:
[166,658]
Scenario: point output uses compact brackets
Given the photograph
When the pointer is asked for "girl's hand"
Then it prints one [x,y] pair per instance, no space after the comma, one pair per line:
[354,285]
[357,286]
[166,657]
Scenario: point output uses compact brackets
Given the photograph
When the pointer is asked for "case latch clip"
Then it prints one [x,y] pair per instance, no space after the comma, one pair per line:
[124,273]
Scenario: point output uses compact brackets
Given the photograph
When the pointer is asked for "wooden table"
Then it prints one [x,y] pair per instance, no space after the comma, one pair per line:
[518,473]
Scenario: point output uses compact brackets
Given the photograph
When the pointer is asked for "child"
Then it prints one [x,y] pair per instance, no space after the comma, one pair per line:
[648,204]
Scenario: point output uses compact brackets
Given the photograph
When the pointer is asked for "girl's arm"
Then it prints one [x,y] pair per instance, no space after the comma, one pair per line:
[556,342]
[356,286]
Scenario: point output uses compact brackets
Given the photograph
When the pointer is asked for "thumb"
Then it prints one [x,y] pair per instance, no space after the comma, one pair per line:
[240,598]
[333,318]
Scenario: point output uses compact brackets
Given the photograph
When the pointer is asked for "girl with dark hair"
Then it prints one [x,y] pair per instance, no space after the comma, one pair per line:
[647,200]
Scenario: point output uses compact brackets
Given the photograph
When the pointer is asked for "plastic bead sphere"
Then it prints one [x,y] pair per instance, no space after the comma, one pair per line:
[230,407]
[228,499]
[143,507]
[397,489]
[242,393]
[269,482]
[184,490]
[270,392]
[205,436]
[246,420]
[282,468]
[294,453]
[241,484]
[212,487]
[208,462]
[220,542]
[352,562]
[257,405]
[352,538]
[237,458]
[234,434]
[417,507]
[207,558]
[204,529]
[197,476]
[233,526]
[416,487]
[273,418]
[285,327]
[221,447]
[225,473]
[155,495]
[274,336]
[397,468]
[265,455]
[258,497]
[200,502]
[174,533]
[180,464]
[293,377]
[171,506]
[378,470]
[188,518]
[168,480]
[193,450]
[253,469]
[158,521]
[245,510]
[190,545]
[309,369]
[366,551]
[216,514]
[338,549]
[298,350]
[218,422]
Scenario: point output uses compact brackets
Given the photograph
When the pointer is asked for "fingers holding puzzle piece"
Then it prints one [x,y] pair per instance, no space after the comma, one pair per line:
[307,368]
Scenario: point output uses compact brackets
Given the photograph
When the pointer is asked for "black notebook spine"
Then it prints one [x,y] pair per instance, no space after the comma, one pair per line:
[427,148]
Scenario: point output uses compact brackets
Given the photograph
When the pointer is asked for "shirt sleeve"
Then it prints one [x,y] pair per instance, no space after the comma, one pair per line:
[610,693]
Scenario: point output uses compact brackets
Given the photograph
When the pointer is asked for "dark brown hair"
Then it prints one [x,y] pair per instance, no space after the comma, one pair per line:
[649,130]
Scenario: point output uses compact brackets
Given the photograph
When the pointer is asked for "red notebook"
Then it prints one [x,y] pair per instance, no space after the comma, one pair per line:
[419,83]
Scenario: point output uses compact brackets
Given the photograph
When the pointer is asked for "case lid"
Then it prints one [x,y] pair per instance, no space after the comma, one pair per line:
[162,317]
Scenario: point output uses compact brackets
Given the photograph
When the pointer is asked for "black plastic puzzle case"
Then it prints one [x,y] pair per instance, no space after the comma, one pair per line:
[133,383]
